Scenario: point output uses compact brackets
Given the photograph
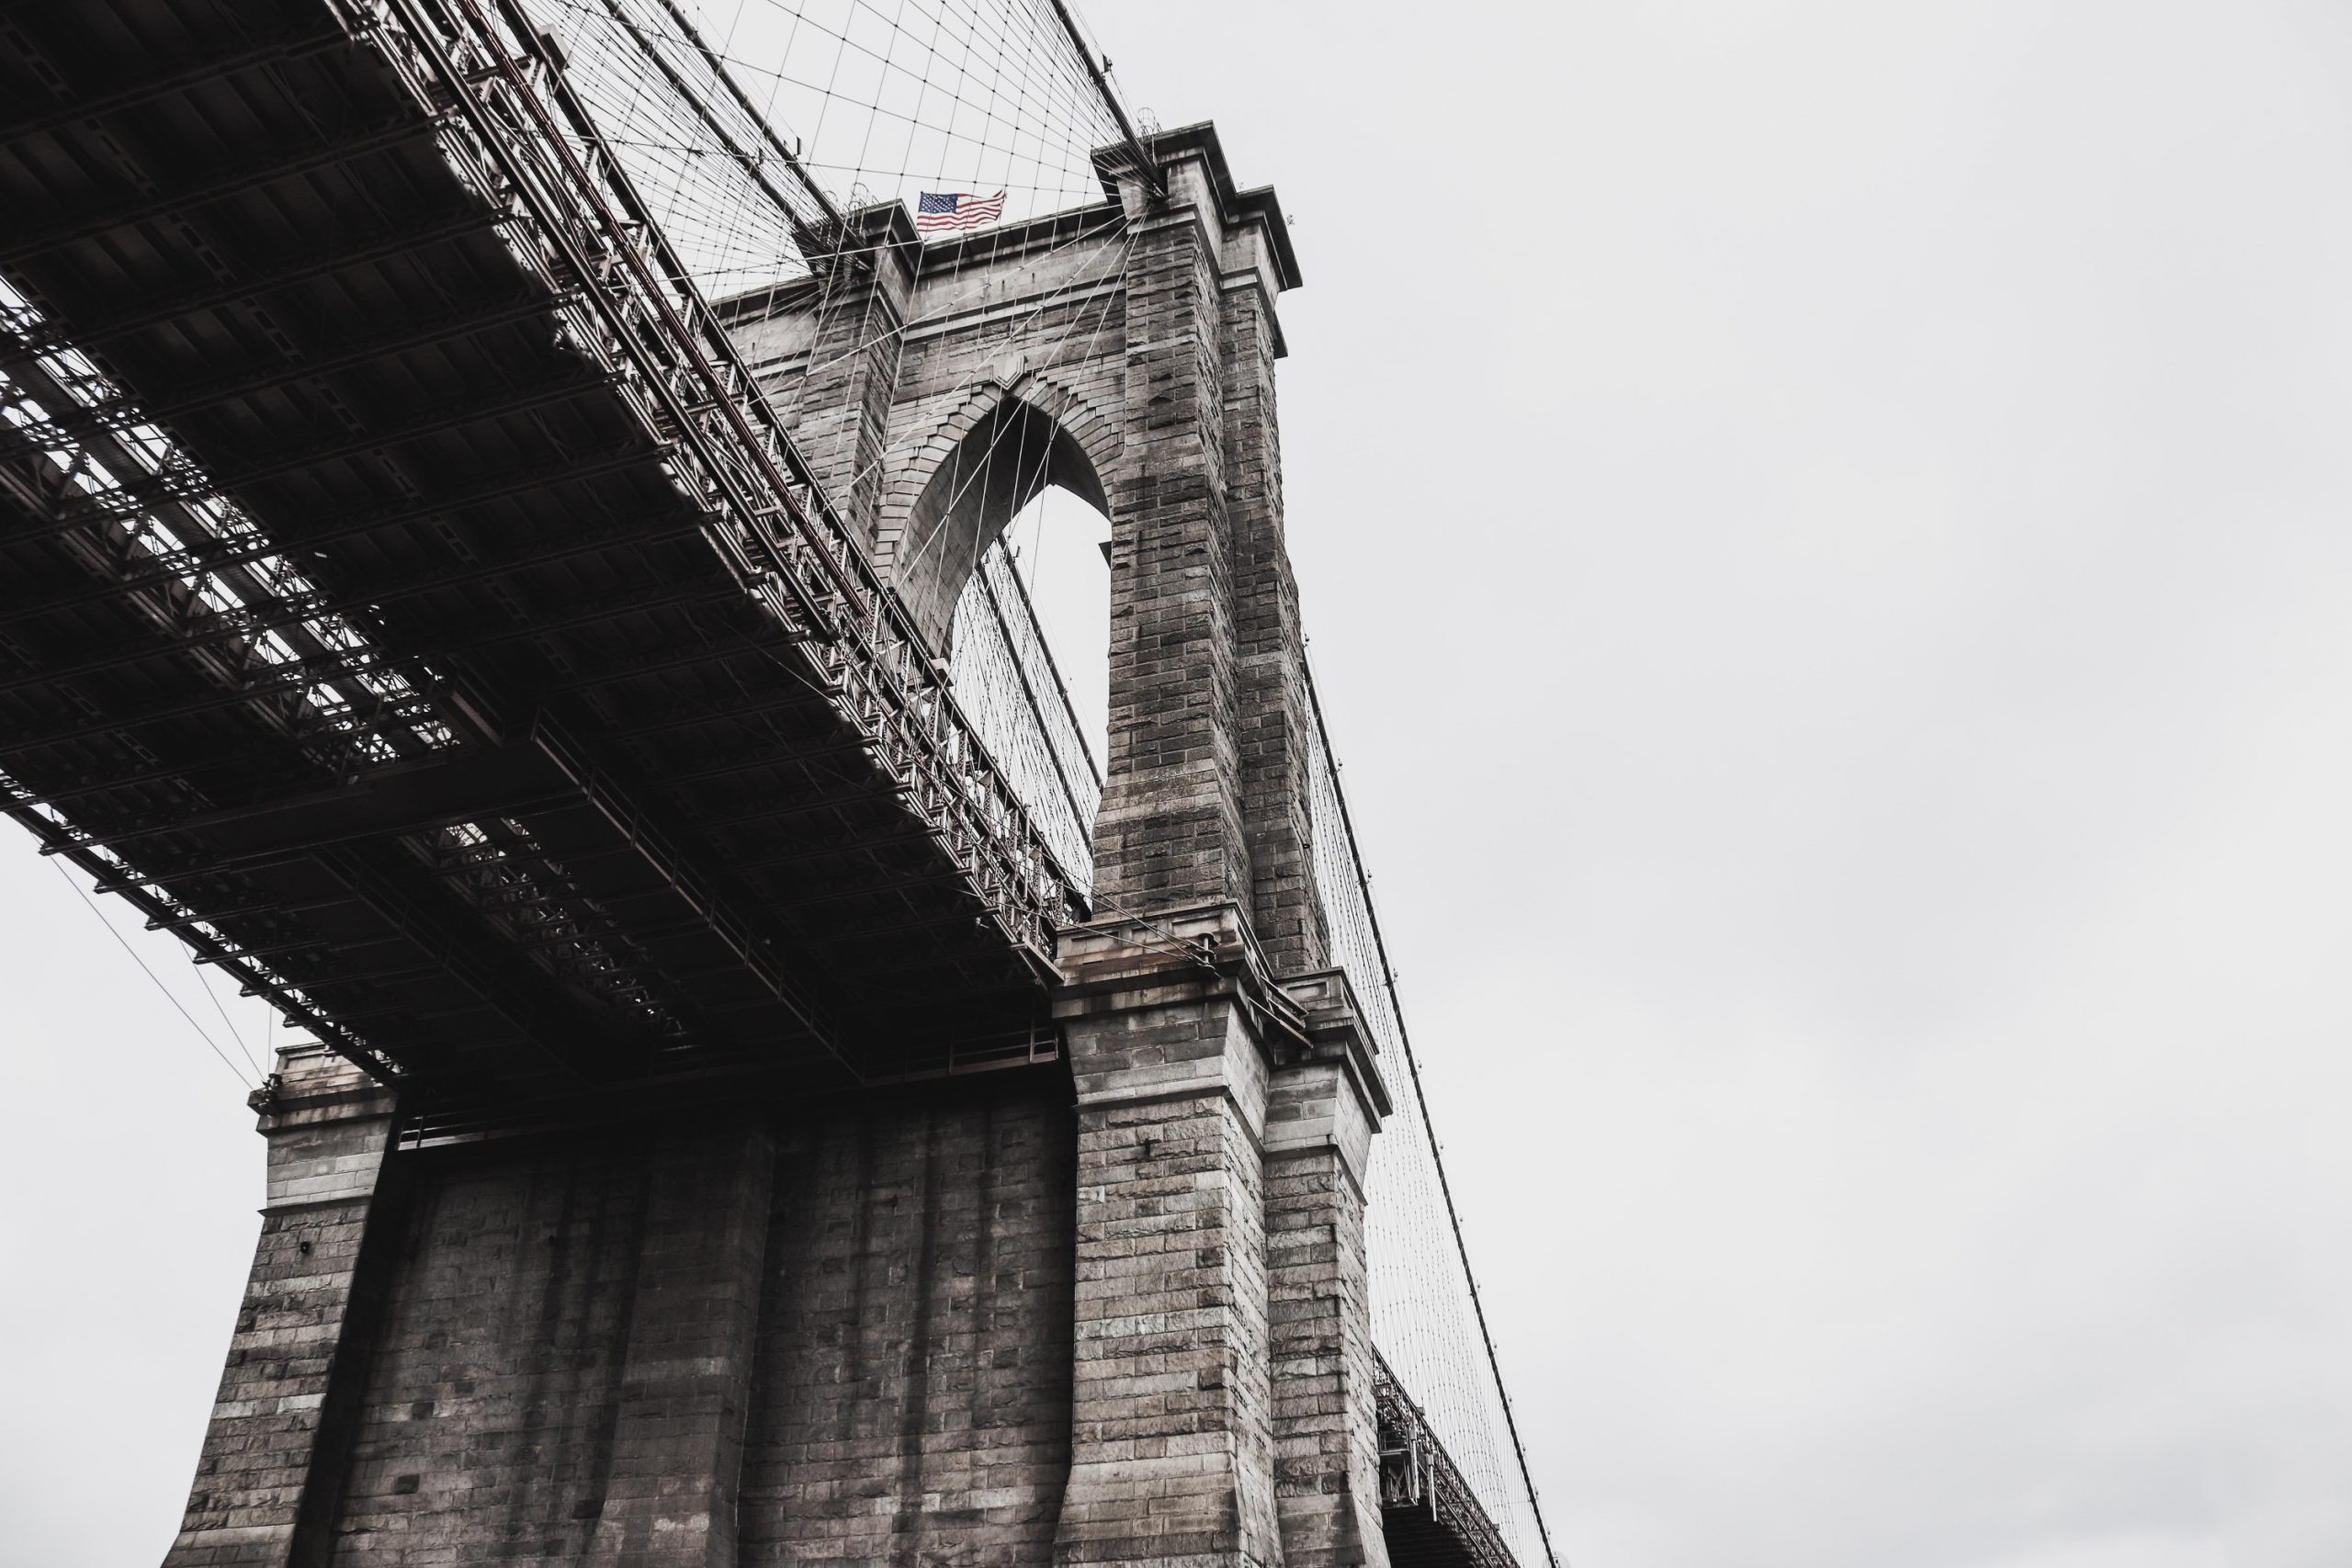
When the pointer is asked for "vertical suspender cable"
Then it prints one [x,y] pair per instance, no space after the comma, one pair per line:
[710,118]
[743,101]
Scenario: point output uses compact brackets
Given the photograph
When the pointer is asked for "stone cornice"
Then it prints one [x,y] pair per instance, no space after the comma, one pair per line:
[1335,1032]
[1237,208]
[1209,951]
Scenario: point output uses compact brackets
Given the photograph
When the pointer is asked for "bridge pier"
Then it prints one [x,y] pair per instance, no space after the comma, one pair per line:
[1328,1101]
[1171,1457]
[270,1473]
[686,1385]
[1222,1408]
[777,1330]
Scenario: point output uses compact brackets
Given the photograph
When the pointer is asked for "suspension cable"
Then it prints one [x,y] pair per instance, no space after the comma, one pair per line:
[1147,167]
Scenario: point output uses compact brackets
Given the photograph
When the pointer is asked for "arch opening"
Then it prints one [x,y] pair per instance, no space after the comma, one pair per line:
[1059,548]
[1006,568]
[997,470]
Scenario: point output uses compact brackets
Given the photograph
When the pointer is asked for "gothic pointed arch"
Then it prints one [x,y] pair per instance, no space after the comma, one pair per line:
[972,474]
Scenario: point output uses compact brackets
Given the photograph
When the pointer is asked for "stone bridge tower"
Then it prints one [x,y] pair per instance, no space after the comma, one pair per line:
[1110,1308]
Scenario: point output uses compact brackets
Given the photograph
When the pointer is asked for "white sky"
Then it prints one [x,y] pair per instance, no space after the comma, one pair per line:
[1824,533]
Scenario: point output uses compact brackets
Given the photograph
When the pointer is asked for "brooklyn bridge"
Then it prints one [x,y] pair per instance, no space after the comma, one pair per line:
[505,554]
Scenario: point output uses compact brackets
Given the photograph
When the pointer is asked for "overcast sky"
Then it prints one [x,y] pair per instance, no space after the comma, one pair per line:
[1823,531]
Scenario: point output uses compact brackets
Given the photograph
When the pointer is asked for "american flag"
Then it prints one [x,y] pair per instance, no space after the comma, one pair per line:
[935,210]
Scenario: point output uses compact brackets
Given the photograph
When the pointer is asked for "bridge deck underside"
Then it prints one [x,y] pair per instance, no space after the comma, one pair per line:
[574,805]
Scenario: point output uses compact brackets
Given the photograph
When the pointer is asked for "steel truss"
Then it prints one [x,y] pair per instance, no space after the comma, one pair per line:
[1428,1511]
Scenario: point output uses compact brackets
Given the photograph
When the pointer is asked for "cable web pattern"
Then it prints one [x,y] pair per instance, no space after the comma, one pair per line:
[719,183]
[1004,679]
[751,126]
[737,120]
[1424,1320]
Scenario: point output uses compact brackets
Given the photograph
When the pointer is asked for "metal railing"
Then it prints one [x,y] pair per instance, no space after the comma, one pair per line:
[1418,1475]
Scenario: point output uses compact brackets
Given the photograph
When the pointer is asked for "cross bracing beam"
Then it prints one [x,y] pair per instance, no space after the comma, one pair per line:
[294,834]
[430,332]
[866,843]
[122,881]
[585,1041]
[767,703]
[760,754]
[185,482]
[607,795]
[776,807]
[43,385]
[849,890]
[866,940]
[348,254]
[273,907]
[264,951]
[400,131]
[459,784]
[292,43]
[654,528]
[167,565]
[321,729]
[224,629]
[290,681]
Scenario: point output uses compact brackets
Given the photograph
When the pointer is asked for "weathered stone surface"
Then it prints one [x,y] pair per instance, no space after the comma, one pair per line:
[273,1457]
[1172,1435]
[914,1361]
[1327,1103]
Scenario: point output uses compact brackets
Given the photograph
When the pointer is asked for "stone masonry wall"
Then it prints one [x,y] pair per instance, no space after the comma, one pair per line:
[1172,1450]
[273,1454]
[915,1359]
[587,1357]
[488,1423]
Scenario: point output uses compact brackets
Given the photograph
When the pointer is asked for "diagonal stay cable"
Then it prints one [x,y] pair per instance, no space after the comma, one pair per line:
[201,1033]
